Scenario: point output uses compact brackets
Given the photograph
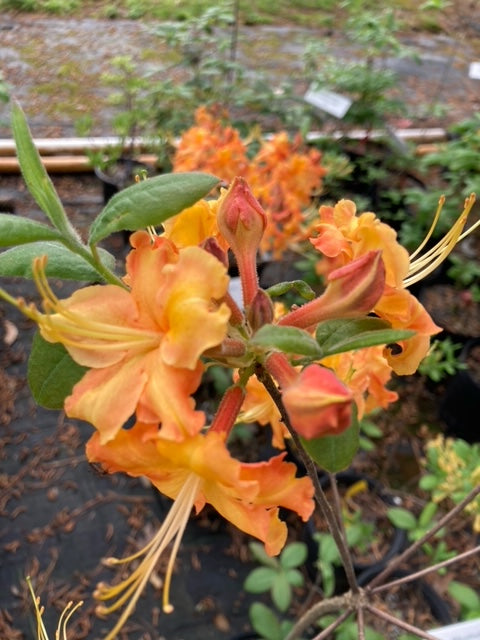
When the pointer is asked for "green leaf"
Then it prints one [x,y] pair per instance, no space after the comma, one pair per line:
[302,288]
[428,482]
[293,555]
[402,518]
[334,453]
[62,263]
[265,622]
[464,595]
[151,202]
[16,230]
[427,514]
[281,592]
[260,580]
[35,176]
[286,339]
[338,336]
[260,555]
[51,373]
[295,577]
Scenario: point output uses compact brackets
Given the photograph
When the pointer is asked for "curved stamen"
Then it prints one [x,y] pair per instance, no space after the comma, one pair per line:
[131,588]
[422,266]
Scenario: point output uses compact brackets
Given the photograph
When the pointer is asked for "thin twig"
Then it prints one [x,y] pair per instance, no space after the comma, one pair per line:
[325,507]
[400,623]
[396,562]
[323,608]
[361,624]
[423,572]
[331,627]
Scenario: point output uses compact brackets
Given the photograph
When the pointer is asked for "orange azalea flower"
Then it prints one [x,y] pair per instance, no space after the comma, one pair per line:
[194,471]
[284,176]
[258,406]
[193,226]
[343,237]
[142,345]
[210,146]
[365,372]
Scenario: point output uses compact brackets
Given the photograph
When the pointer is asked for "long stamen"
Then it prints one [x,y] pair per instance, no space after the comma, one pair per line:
[64,619]
[68,325]
[424,265]
[131,588]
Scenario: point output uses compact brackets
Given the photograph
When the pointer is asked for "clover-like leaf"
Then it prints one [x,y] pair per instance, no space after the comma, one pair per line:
[151,202]
[51,373]
[260,579]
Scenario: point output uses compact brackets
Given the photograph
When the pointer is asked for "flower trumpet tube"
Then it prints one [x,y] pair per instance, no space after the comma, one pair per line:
[352,291]
[317,403]
[242,222]
[194,471]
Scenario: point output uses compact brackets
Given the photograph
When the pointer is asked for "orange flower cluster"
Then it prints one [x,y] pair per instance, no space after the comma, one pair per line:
[145,342]
[283,175]
[342,237]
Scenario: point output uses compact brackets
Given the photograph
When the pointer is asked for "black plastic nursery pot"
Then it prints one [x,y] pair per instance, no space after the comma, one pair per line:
[460,405]
[394,539]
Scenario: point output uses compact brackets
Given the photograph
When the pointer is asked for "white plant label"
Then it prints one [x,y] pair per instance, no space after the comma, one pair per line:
[474,70]
[333,103]
[469,630]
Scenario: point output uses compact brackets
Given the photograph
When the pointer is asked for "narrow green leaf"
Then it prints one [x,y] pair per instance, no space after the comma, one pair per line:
[51,373]
[265,622]
[287,339]
[16,230]
[151,202]
[338,336]
[402,518]
[260,580]
[293,555]
[35,176]
[427,514]
[302,288]
[334,453]
[62,263]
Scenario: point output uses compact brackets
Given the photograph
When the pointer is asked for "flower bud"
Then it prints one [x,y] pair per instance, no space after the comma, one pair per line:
[260,311]
[317,403]
[240,218]
[352,291]
[242,221]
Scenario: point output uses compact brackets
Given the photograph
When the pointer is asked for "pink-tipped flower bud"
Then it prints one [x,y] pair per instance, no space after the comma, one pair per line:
[242,221]
[317,403]
[352,291]
[240,218]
